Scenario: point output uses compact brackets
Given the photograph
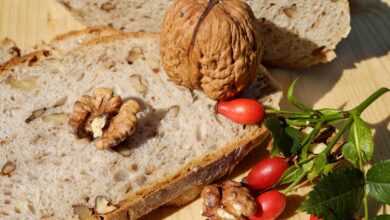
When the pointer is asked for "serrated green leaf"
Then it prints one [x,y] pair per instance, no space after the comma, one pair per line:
[381,217]
[360,146]
[319,164]
[378,181]
[291,98]
[336,196]
[291,174]
[281,141]
[297,137]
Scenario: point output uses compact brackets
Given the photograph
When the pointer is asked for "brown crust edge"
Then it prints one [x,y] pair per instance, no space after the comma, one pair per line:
[200,171]
[40,53]
[99,30]
[88,30]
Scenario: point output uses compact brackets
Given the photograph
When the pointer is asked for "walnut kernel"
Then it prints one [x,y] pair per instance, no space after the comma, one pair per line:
[134,54]
[229,200]
[105,117]
[121,126]
[8,168]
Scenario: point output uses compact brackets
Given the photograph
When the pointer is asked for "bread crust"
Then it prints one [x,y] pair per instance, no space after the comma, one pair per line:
[39,55]
[89,30]
[99,31]
[200,171]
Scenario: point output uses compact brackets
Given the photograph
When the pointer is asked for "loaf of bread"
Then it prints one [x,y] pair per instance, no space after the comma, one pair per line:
[297,33]
[179,142]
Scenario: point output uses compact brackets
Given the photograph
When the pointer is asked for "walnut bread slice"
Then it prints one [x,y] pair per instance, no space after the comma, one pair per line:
[178,143]
[297,33]
[301,33]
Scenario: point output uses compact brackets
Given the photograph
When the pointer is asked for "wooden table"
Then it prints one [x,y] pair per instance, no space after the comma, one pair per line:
[362,66]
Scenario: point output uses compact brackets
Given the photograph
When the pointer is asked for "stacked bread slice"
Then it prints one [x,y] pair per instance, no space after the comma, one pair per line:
[297,33]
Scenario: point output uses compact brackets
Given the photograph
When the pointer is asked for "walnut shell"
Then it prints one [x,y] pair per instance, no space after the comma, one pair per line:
[220,56]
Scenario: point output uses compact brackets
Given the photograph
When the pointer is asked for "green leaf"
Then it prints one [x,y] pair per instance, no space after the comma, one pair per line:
[360,146]
[282,142]
[328,168]
[350,153]
[296,137]
[291,98]
[378,181]
[381,217]
[319,165]
[308,166]
[336,196]
[291,174]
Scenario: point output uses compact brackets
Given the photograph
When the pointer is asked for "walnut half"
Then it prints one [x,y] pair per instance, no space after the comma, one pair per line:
[104,117]
[229,200]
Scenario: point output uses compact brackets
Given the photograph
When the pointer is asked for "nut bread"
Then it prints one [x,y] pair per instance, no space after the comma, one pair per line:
[297,33]
[179,143]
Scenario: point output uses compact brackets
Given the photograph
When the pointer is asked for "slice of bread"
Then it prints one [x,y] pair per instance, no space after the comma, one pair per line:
[297,33]
[301,33]
[179,143]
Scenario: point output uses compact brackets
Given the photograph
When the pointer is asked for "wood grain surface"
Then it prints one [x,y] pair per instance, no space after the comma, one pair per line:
[362,66]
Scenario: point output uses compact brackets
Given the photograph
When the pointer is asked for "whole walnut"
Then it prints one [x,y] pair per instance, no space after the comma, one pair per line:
[210,45]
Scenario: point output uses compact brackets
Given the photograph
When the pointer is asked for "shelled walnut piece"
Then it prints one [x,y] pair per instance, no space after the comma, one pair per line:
[104,117]
[8,168]
[229,200]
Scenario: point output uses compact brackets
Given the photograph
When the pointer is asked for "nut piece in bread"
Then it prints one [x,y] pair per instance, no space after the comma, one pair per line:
[105,117]
[121,126]
[8,168]
[210,45]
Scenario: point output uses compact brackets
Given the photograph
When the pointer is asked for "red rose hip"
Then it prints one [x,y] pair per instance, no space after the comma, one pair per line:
[266,173]
[242,111]
[313,217]
[270,204]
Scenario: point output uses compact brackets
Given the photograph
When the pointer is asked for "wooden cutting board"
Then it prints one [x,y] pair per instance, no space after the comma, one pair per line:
[362,66]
